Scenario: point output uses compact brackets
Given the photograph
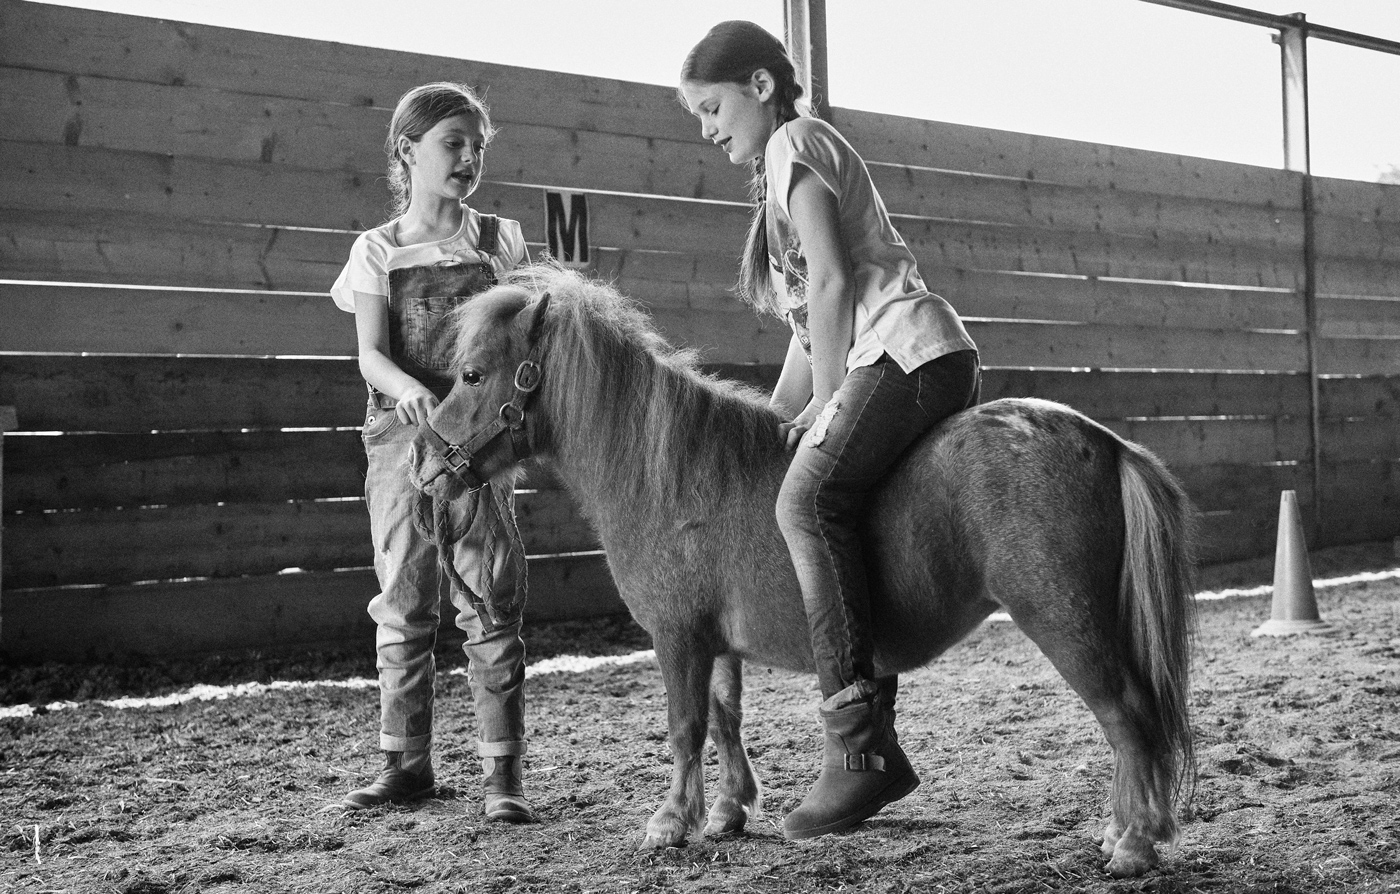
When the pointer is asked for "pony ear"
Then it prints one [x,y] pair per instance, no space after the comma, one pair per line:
[537,318]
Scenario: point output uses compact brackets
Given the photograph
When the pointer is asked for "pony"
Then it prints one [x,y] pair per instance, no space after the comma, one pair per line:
[1022,505]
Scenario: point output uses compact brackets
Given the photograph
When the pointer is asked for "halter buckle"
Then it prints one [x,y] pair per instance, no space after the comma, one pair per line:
[527,376]
[456,459]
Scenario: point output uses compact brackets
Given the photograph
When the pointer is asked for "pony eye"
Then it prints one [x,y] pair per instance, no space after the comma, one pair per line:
[471,377]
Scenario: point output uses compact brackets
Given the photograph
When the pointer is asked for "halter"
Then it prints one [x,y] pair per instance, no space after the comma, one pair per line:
[457,458]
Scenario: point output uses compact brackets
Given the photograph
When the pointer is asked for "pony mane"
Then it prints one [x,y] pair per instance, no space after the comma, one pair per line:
[666,431]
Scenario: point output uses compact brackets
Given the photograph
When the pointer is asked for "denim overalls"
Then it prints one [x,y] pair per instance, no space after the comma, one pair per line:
[489,558]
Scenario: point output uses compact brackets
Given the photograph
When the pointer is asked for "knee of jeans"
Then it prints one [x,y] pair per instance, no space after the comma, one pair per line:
[795,509]
[496,654]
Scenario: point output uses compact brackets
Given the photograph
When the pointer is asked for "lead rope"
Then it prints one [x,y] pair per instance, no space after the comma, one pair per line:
[435,521]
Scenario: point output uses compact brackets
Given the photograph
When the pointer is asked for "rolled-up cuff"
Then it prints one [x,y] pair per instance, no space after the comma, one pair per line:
[405,743]
[500,749]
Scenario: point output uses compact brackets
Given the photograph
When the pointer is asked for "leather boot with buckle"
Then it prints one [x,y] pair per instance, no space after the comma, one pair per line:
[504,791]
[863,767]
[394,785]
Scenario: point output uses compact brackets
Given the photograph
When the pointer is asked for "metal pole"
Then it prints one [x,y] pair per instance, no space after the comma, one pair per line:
[1293,50]
[804,22]
[1268,20]
[1292,40]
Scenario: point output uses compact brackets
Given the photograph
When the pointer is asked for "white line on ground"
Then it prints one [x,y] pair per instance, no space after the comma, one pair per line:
[564,664]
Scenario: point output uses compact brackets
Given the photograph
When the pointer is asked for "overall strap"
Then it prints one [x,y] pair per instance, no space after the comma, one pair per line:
[487,241]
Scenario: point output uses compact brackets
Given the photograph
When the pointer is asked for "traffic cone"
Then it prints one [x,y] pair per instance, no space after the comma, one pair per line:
[1295,603]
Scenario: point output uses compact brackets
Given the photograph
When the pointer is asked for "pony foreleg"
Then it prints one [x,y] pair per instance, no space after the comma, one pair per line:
[739,796]
[686,674]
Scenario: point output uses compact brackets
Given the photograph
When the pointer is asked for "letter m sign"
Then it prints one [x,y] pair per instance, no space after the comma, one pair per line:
[566,227]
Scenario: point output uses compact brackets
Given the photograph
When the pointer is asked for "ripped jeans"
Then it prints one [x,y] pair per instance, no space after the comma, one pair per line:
[821,506]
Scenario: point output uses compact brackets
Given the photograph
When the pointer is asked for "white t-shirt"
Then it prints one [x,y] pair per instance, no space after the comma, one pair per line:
[377,251]
[895,313]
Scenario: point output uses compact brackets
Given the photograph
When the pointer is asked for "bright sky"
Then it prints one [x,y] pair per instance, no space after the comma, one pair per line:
[1124,72]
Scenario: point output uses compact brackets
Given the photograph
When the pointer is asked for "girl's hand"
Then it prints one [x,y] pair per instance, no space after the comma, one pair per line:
[415,404]
[793,431]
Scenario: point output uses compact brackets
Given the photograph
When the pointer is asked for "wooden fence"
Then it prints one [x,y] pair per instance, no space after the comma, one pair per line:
[185,472]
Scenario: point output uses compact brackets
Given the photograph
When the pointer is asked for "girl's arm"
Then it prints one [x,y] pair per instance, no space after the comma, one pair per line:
[794,386]
[831,300]
[379,369]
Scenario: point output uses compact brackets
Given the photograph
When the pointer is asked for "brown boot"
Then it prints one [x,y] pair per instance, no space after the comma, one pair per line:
[863,767]
[504,791]
[394,785]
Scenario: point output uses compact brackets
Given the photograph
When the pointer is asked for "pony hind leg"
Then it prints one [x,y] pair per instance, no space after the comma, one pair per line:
[685,669]
[1143,792]
[739,794]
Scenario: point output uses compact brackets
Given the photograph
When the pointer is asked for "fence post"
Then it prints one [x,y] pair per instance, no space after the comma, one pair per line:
[804,22]
[1297,156]
[8,422]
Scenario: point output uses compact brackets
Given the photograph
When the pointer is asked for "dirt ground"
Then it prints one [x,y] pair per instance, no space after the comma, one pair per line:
[1298,741]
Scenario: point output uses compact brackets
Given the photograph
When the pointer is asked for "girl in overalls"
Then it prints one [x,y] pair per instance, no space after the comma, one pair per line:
[875,361]
[400,281]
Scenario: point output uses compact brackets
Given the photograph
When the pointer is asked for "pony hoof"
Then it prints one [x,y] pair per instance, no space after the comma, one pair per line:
[660,843]
[1111,834]
[1129,861]
[726,822]
[663,835]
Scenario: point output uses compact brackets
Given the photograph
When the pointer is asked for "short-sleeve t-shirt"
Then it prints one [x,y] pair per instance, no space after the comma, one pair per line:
[377,251]
[895,313]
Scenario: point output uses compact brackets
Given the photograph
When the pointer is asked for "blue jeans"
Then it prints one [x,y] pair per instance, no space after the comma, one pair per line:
[407,610]
[821,505]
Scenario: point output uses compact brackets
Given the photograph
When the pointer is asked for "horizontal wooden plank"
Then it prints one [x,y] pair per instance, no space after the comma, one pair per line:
[144,394]
[920,192]
[116,547]
[70,178]
[51,318]
[1358,317]
[955,147]
[308,135]
[73,318]
[115,394]
[146,250]
[1358,356]
[1233,486]
[1016,296]
[1357,277]
[1044,250]
[1348,238]
[1065,346]
[1361,397]
[286,141]
[1357,220]
[114,471]
[76,178]
[1231,534]
[1368,439]
[123,47]
[266,612]
[45,549]
[1107,395]
[1364,202]
[1195,442]
[151,250]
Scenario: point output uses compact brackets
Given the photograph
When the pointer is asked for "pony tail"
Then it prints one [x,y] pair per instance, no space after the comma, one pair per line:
[755,280]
